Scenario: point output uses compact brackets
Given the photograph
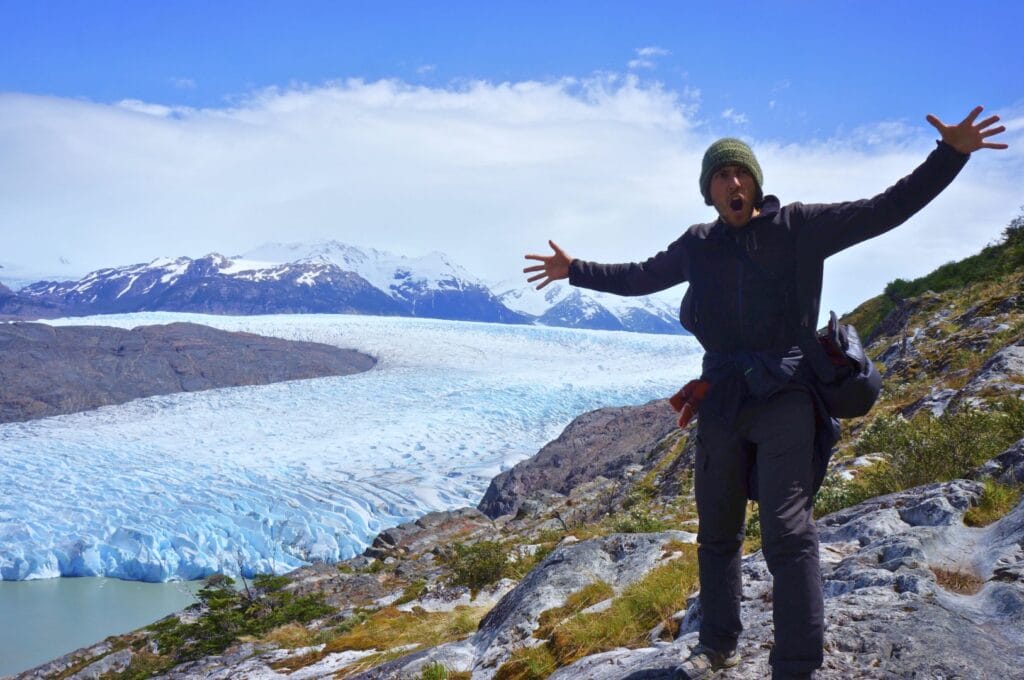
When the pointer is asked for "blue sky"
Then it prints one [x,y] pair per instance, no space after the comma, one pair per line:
[828,66]
[134,130]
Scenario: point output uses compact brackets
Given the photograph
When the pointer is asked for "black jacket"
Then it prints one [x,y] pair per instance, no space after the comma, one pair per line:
[755,292]
[730,306]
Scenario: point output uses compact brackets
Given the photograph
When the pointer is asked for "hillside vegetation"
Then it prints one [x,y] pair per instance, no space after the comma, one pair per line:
[994,262]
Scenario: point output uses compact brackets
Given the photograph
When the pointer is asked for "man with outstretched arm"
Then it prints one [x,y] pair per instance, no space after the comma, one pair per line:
[755,278]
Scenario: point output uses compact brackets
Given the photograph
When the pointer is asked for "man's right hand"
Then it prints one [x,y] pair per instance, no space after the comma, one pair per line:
[554,267]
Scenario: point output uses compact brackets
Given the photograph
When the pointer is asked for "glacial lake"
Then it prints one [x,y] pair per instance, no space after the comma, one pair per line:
[42,620]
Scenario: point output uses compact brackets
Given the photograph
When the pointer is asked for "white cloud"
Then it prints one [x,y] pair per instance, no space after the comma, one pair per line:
[184,83]
[640,63]
[645,57]
[652,52]
[426,68]
[734,117]
[606,166]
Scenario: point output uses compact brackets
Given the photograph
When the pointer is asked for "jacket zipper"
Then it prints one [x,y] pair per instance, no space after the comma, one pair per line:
[739,297]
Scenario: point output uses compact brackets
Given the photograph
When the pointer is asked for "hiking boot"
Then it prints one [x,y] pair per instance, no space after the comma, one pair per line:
[703,661]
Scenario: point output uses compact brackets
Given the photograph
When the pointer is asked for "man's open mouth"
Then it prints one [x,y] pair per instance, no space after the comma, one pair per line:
[736,204]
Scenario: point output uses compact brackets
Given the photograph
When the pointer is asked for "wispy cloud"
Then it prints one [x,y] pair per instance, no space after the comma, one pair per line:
[184,83]
[645,57]
[652,52]
[605,166]
[733,117]
[426,68]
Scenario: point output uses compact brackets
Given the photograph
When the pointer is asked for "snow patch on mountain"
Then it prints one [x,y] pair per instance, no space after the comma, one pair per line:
[386,271]
[560,304]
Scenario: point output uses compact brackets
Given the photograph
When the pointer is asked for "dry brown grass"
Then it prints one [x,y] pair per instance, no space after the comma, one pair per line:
[962,582]
[290,636]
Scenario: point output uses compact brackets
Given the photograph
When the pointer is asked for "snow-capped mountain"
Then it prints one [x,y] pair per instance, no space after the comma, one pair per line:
[325,277]
[219,285]
[430,286]
[559,304]
[332,277]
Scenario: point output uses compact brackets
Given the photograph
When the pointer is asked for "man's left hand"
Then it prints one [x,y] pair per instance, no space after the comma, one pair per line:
[967,137]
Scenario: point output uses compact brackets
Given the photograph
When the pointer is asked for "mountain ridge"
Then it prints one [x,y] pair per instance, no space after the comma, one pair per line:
[326,277]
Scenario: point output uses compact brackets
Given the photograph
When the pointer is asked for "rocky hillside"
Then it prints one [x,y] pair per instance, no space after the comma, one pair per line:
[49,370]
[580,562]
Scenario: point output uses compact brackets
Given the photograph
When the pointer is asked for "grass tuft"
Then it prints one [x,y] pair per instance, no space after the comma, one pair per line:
[627,622]
[576,602]
[528,663]
[390,627]
[291,636]
[438,671]
[996,500]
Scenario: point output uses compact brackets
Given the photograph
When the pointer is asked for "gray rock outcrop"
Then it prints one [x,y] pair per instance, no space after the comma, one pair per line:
[618,559]
[50,370]
[1002,373]
[601,443]
[911,592]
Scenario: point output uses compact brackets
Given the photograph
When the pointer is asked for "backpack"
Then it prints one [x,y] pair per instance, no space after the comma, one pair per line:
[857,382]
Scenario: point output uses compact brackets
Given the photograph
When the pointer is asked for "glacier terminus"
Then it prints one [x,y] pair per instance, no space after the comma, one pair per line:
[267,478]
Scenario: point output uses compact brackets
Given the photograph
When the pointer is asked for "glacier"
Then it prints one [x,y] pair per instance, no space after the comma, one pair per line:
[268,478]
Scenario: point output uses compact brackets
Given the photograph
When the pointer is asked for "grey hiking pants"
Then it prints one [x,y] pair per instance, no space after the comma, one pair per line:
[779,434]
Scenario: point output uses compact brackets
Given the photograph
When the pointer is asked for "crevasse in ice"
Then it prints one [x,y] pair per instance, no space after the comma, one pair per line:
[265,479]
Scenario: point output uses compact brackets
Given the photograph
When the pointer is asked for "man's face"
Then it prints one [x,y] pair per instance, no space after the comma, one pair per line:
[733,191]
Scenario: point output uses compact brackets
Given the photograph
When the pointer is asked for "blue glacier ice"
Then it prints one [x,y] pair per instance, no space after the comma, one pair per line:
[268,478]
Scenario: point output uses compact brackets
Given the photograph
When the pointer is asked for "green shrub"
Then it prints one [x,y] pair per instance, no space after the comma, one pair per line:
[752,529]
[837,493]
[927,449]
[868,316]
[639,521]
[413,591]
[519,568]
[479,565]
[228,614]
[993,262]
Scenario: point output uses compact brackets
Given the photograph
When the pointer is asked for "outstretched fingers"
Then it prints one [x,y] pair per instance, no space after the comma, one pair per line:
[975,112]
[988,121]
[967,136]
[553,267]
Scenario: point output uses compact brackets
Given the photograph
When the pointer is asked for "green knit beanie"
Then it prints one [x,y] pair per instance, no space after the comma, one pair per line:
[728,151]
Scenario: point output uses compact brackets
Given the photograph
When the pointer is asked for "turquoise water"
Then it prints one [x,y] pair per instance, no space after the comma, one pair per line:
[42,620]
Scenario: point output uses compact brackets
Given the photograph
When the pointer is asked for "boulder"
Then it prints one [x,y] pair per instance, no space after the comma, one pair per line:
[602,443]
